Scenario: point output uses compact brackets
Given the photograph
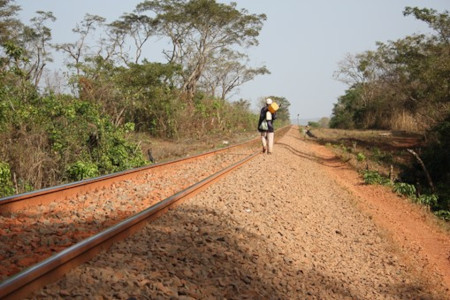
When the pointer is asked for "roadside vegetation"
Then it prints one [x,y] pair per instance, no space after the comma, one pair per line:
[398,105]
[382,157]
[104,113]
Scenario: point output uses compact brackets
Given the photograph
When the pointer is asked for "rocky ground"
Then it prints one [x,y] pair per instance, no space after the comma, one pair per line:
[297,224]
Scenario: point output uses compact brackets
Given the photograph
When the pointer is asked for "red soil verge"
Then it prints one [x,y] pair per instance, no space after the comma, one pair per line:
[410,226]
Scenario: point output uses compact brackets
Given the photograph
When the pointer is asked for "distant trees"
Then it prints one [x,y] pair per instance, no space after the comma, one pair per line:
[401,85]
[283,114]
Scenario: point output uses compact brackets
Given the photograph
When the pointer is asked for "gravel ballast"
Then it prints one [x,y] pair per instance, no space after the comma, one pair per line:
[279,227]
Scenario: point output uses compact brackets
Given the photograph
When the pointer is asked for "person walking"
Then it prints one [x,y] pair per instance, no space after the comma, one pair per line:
[267,132]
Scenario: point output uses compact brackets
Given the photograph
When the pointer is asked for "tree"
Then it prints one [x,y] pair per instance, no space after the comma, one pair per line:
[79,49]
[138,28]
[198,29]
[228,71]
[283,114]
[438,21]
[403,84]
[9,25]
[324,122]
[36,40]
[346,110]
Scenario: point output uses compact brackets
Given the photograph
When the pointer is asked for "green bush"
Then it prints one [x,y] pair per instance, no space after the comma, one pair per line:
[360,157]
[443,214]
[380,156]
[428,200]
[314,124]
[82,170]
[373,177]
[405,189]
[6,185]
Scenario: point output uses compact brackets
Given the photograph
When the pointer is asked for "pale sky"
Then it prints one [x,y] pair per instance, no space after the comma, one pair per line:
[301,42]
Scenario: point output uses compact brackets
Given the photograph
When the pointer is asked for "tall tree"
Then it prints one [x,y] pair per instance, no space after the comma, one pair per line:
[138,28]
[78,50]
[438,21]
[36,40]
[199,28]
[9,25]
[227,71]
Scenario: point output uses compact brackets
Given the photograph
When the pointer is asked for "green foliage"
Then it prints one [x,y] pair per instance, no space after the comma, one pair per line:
[117,154]
[9,24]
[345,148]
[347,110]
[405,189]
[443,214]
[380,156]
[217,116]
[360,157]
[283,115]
[373,177]
[436,157]
[82,170]
[314,124]
[403,84]
[189,24]
[439,22]
[428,200]
[66,137]
[6,185]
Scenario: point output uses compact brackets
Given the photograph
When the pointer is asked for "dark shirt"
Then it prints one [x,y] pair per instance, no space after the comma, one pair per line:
[262,116]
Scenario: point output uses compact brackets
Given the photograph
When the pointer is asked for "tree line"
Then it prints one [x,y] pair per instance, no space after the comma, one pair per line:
[79,124]
[405,85]
[402,85]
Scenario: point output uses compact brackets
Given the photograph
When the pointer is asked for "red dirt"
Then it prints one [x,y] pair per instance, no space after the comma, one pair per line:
[410,226]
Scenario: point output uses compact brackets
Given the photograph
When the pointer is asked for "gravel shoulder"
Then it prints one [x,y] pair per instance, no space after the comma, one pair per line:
[292,225]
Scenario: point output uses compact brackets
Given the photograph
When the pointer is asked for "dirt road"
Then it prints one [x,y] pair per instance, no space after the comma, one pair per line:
[297,224]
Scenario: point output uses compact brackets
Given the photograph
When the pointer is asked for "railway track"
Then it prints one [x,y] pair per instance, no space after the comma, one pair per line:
[48,232]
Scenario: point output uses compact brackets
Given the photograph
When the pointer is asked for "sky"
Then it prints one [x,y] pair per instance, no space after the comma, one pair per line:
[301,42]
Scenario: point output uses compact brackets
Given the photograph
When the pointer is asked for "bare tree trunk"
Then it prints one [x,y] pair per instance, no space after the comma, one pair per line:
[430,182]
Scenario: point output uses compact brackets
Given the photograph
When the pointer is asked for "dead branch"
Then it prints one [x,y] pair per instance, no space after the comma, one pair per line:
[430,182]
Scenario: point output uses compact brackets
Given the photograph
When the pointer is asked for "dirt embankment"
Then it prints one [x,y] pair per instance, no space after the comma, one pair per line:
[297,224]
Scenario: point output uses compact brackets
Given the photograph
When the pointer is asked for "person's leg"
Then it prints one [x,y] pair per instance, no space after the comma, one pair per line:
[270,136]
[264,140]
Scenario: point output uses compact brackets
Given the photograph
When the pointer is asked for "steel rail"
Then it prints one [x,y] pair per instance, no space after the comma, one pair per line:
[53,268]
[47,195]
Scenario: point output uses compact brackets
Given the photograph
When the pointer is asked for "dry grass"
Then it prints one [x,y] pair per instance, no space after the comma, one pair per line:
[383,151]
[165,150]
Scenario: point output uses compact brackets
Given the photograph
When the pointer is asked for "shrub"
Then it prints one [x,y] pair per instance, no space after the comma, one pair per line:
[314,124]
[380,156]
[443,214]
[81,170]
[373,177]
[405,189]
[360,157]
[428,200]
[6,185]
